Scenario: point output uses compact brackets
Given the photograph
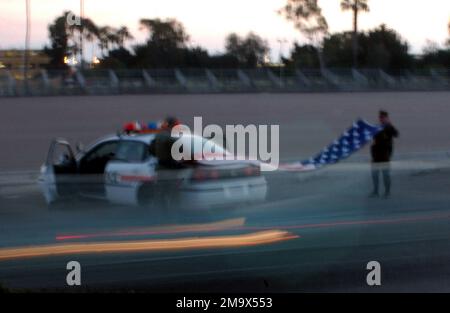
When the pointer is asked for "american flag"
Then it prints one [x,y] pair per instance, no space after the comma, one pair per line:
[352,140]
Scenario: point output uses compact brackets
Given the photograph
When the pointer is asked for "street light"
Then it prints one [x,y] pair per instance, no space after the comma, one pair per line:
[95,61]
[27,45]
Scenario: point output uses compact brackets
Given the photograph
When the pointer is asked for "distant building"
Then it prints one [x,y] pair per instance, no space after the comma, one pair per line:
[13,60]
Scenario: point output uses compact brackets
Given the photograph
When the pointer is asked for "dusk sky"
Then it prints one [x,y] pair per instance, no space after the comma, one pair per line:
[209,21]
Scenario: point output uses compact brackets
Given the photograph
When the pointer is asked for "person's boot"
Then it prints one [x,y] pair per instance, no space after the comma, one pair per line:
[374,194]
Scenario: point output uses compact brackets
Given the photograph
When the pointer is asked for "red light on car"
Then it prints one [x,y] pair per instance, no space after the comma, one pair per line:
[131,127]
[214,174]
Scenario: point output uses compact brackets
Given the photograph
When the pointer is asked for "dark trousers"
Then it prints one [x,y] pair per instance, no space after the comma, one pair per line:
[385,170]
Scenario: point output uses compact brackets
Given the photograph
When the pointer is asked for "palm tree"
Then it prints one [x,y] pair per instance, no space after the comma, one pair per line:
[123,35]
[356,6]
[105,38]
[85,30]
[90,30]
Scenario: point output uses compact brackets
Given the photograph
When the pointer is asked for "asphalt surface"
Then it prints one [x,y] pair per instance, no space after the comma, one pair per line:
[334,229]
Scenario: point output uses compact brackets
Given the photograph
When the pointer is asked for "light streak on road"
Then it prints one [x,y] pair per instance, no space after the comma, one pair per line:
[213,242]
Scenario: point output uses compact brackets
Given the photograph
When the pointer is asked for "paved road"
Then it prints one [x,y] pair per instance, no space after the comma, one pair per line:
[333,229]
[338,228]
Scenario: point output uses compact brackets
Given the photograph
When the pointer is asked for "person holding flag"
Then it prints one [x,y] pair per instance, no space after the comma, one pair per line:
[381,151]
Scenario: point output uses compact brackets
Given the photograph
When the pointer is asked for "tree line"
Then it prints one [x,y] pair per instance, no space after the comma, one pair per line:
[167,44]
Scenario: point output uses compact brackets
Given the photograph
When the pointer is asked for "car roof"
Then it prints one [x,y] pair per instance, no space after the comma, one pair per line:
[145,138]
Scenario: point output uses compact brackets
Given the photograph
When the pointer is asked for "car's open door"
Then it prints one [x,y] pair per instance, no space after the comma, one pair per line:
[59,172]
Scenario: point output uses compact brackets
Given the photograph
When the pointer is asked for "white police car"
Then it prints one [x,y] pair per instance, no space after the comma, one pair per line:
[121,168]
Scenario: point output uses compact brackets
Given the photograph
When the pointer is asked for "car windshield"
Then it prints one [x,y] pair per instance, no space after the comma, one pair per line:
[131,151]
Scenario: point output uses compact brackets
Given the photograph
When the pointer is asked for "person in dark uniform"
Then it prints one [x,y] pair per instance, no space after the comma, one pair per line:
[162,144]
[165,192]
[381,151]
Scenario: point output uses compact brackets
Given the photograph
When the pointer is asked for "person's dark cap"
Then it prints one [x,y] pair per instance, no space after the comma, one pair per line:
[383,113]
[171,121]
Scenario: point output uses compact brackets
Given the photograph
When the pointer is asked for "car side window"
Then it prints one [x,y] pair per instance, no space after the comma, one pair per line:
[132,151]
[94,162]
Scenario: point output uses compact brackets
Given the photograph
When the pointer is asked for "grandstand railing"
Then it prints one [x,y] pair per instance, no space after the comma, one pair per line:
[264,79]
